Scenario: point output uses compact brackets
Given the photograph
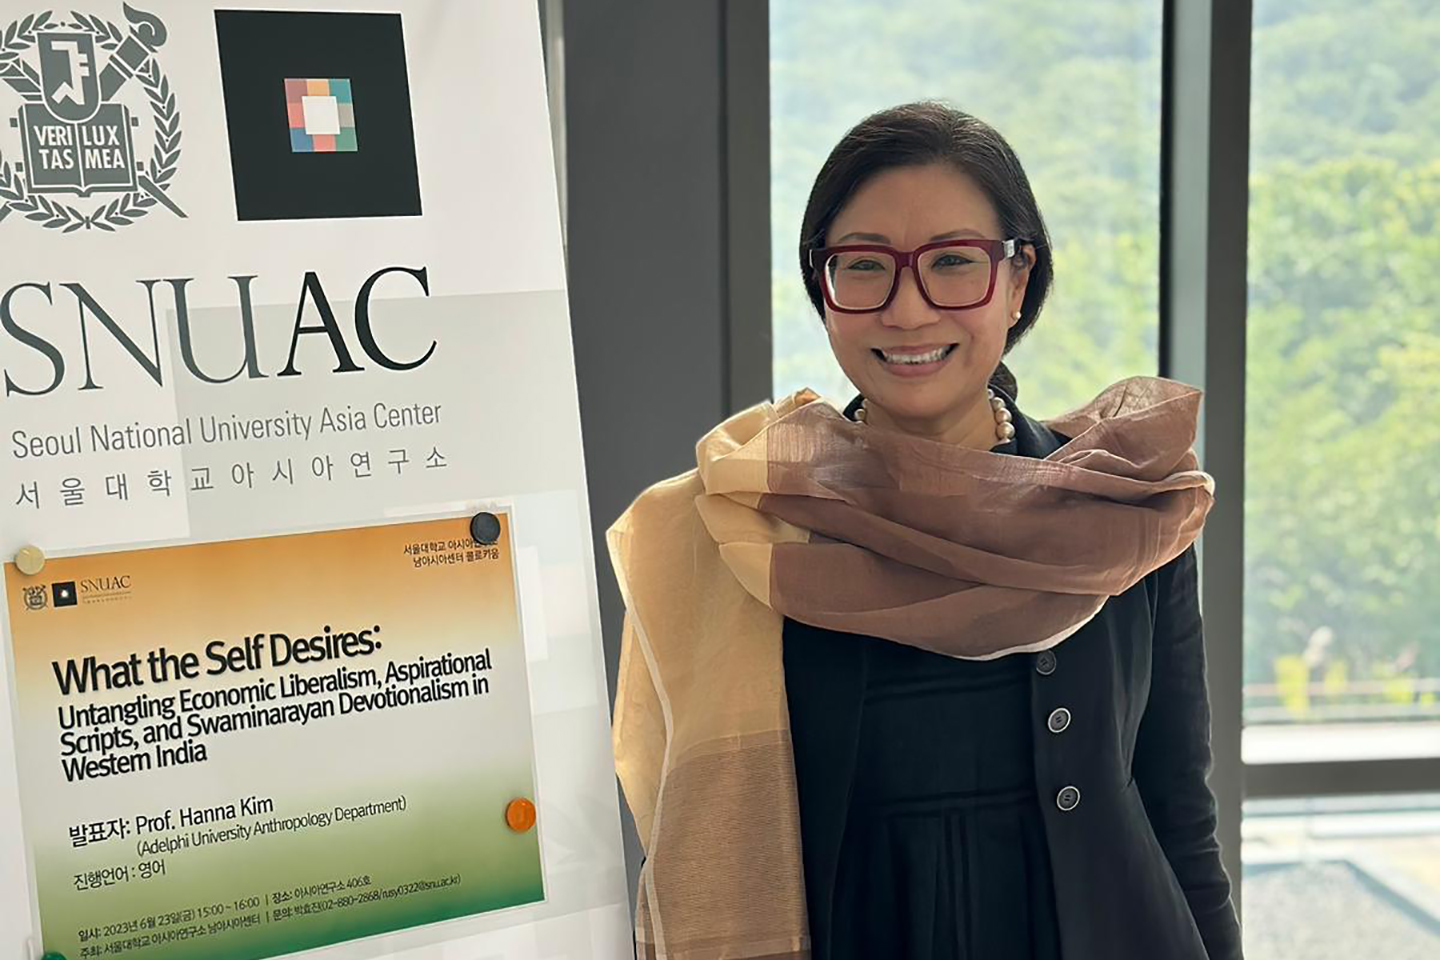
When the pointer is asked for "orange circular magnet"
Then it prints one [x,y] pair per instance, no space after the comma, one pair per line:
[520,814]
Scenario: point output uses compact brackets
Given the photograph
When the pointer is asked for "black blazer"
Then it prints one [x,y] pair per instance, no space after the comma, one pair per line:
[1135,859]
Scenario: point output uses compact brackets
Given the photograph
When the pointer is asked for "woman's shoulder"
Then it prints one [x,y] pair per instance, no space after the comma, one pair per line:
[676,496]
[663,513]
[666,497]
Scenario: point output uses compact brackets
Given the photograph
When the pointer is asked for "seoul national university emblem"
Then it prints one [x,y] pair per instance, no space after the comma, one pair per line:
[76,127]
[36,597]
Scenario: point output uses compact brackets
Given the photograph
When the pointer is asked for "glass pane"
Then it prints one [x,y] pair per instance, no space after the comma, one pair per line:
[1340,879]
[1075,88]
[1342,614]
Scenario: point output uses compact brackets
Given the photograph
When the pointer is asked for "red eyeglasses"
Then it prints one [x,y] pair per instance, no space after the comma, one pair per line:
[951,274]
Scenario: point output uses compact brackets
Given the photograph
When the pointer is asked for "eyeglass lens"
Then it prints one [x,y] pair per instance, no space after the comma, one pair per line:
[956,276]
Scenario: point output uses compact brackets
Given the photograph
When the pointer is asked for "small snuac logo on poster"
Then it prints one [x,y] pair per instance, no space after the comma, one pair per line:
[85,87]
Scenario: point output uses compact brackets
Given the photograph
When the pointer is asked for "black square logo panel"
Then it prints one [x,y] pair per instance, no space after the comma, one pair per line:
[318,111]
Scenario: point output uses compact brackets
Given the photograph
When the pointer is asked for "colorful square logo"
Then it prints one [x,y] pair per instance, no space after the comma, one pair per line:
[322,115]
[64,593]
[333,68]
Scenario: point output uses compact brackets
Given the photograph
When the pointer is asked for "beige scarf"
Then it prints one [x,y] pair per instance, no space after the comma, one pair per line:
[795,511]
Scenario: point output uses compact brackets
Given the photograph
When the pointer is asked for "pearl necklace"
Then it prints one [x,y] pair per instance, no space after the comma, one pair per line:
[1004,428]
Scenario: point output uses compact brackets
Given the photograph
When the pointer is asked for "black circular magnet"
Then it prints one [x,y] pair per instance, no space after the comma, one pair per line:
[485,528]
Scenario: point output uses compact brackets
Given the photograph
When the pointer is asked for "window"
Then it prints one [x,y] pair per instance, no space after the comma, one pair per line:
[1075,88]
[1342,459]
[1342,477]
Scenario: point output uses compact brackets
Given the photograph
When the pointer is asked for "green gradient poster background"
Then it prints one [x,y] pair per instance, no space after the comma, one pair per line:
[290,800]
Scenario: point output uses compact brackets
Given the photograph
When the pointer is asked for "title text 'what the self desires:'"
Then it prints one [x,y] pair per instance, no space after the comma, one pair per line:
[254,652]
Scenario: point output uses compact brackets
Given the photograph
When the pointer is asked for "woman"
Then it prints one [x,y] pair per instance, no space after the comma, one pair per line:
[924,678]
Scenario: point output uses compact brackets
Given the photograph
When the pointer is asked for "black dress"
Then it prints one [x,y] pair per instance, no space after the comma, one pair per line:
[944,854]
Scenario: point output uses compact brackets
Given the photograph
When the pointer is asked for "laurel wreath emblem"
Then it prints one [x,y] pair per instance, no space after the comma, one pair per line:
[165,157]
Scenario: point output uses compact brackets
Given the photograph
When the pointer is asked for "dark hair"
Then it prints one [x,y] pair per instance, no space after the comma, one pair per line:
[914,134]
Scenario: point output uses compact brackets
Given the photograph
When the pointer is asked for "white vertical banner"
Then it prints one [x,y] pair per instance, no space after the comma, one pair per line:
[301,641]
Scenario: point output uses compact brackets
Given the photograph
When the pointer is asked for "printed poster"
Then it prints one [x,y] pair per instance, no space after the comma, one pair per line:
[199,766]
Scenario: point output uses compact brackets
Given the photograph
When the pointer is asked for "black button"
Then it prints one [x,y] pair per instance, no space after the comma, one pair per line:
[1059,720]
[1045,663]
[1068,798]
[485,528]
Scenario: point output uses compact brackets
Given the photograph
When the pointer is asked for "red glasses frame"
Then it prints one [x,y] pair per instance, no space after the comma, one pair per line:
[997,249]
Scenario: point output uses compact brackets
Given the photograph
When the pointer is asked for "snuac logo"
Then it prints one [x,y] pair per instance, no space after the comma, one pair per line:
[75,135]
[70,593]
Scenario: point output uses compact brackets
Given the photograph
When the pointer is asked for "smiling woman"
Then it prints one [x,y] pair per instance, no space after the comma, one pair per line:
[953,653]
[920,330]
